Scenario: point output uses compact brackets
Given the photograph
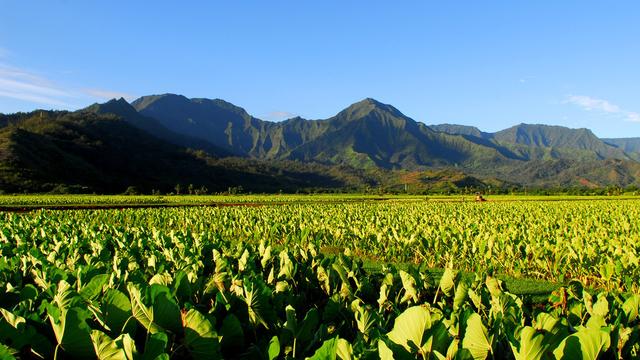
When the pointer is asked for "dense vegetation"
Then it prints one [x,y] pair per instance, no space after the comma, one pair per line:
[166,141]
[86,152]
[593,241]
[26,202]
[288,281]
[369,134]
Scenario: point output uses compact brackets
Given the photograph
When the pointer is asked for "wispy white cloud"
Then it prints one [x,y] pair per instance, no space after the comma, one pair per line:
[633,116]
[280,115]
[589,103]
[27,85]
[21,84]
[107,94]
[16,83]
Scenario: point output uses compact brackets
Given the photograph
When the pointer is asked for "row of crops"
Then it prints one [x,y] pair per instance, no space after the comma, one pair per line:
[596,242]
[259,282]
[96,200]
[8,201]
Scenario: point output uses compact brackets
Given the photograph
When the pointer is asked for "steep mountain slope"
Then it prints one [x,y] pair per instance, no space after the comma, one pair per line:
[369,133]
[454,129]
[629,145]
[216,121]
[365,134]
[121,108]
[85,151]
[556,142]
[107,147]
[540,142]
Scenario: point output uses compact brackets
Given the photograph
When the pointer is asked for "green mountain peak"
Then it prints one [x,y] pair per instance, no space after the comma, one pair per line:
[370,136]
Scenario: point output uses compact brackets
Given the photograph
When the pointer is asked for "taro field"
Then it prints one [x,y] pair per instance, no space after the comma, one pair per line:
[403,278]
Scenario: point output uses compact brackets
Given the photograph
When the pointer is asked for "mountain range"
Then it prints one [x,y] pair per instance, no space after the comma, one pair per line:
[159,141]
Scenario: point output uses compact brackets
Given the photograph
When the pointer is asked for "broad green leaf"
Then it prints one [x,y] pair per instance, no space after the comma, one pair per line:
[65,297]
[585,344]
[274,348]
[345,286]
[601,306]
[476,340]
[105,347]
[156,346]
[476,299]
[448,282]
[365,318]
[462,292]
[384,296]
[129,346]
[303,332]
[166,313]
[141,312]
[161,279]
[344,351]
[409,286]
[287,268]
[410,327]
[257,304]
[596,322]
[28,292]
[383,351]
[532,345]
[439,338]
[94,287]
[266,257]
[181,286]
[323,279]
[17,322]
[116,309]
[334,349]
[630,307]
[282,286]
[200,336]
[554,331]
[242,262]
[494,286]
[73,333]
[546,322]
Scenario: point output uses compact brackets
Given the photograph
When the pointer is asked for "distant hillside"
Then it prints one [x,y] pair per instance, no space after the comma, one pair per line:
[369,133]
[366,134]
[629,145]
[557,142]
[85,151]
[567,173]
[125,111]
[541,142]
[460,130]
[216,121]
[159,141]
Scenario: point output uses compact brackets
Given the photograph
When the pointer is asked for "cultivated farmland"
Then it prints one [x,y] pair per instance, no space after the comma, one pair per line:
[400,278]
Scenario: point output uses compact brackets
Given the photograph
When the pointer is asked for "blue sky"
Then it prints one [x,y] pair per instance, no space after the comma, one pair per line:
[491,64]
